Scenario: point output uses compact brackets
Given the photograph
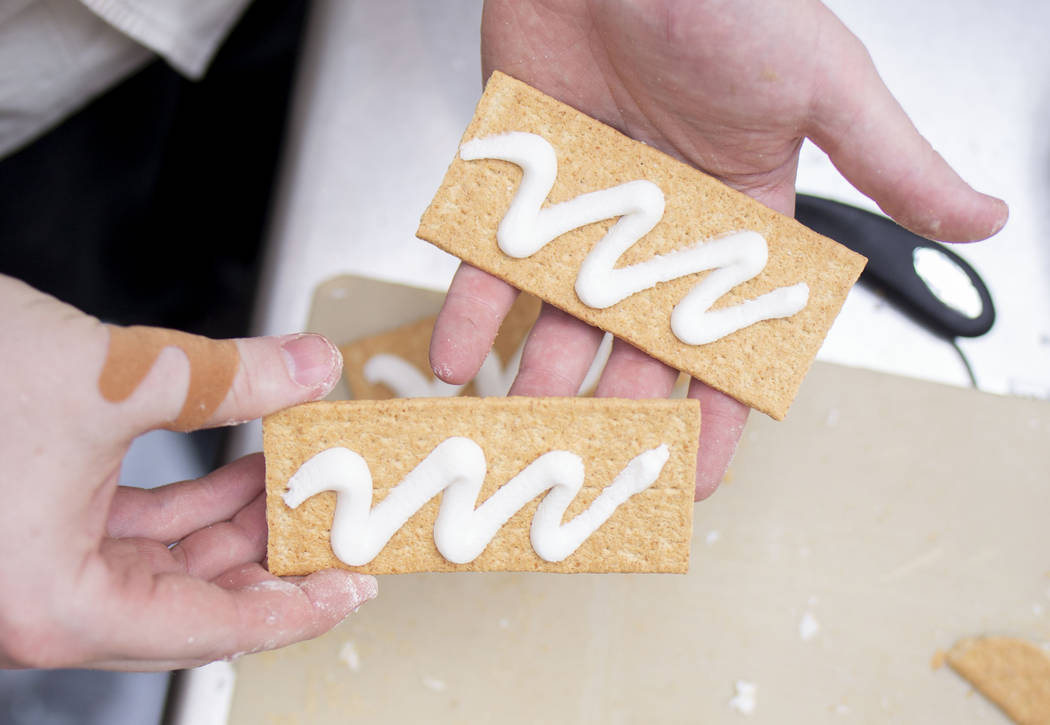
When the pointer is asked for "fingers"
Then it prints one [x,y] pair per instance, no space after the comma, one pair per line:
[171,512]
[722,424]
[157,378]
[204,554]
[630,373]
[132,379]
[467,324]
[215,523]
[556,356]
[556,359]
[258,611]
[277,372]
[183,621]
[214,549]
[874,144]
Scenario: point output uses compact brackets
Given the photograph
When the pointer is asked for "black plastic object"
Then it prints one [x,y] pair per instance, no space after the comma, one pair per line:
[894,255]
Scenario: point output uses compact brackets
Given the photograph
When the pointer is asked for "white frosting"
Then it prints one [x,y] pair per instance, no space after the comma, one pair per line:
[594,372]
[457,467]
[405,379]
[492,380]
[735,258]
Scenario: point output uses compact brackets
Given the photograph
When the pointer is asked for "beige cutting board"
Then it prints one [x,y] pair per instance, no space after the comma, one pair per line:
[884,519]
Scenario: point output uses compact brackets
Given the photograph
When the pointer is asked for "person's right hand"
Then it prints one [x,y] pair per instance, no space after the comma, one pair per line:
[97,575]
[732,87]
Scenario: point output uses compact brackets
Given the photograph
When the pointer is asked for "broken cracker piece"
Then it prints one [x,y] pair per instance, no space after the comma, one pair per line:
[396,363]
[1012,673]
[572,245]
[635,462]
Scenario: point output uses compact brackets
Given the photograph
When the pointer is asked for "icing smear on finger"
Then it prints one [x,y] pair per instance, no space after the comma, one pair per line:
[732,259]
[456,468]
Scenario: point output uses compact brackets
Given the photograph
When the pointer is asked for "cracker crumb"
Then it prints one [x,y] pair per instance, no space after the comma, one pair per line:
[348,654]
[744,699]
[808,627]
[938,659]
[434,684]
[1013,673]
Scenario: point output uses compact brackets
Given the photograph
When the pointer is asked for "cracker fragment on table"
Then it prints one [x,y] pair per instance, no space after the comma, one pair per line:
[1011,672]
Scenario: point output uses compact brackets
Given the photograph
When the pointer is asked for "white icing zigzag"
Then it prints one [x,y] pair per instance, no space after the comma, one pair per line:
[735,258]
[457,467]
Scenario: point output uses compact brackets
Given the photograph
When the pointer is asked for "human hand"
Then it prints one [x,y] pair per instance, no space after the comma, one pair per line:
[732,87]
[98,575]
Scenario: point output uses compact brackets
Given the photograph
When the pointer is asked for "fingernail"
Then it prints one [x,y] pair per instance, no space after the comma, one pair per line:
[312,361]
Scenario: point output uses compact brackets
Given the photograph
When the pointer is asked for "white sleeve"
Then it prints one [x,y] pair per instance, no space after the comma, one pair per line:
[56,55]
[186,33]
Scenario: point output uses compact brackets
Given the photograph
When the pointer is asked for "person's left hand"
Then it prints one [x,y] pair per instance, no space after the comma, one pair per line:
[103,576]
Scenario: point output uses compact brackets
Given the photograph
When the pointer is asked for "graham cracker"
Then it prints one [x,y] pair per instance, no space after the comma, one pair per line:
[649,532]
[761,365]
[1013,673]
[411,343]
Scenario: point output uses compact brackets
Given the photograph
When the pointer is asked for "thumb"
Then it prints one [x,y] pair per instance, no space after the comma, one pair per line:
[160,378]
[872,142]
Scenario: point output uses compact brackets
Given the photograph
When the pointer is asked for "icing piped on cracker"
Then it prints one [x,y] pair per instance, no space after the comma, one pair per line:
[727,250]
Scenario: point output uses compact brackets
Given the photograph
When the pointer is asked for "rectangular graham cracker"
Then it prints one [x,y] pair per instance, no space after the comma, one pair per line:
[762,365]
[411,345]
[649,532]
